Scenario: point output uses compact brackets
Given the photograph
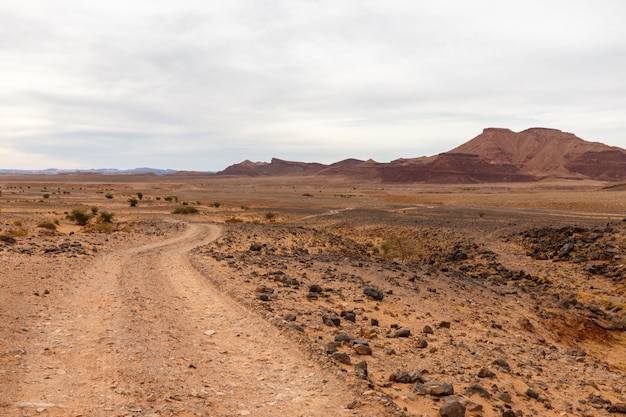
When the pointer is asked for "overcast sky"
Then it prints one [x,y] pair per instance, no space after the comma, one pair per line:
[200,85]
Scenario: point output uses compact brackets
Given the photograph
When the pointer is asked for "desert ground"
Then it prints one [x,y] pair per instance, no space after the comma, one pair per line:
[301,296]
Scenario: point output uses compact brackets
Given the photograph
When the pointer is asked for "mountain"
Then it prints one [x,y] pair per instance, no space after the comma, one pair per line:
[496,155]
[104,171]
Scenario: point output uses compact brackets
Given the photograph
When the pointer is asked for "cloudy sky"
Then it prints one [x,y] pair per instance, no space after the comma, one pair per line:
[201,85]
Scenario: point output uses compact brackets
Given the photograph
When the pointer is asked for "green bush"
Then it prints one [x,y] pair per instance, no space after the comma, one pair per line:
[79,216]
[185,210]
[140,196]
[270,215]
[105,217]
[94,210]
[133,202]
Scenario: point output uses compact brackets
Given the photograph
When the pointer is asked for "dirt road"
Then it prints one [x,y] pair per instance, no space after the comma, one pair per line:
[140,332]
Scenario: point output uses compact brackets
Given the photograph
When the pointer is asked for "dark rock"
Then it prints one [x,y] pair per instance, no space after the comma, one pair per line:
[263,297]
[428,330]
[504,397]
[618,408]
[353,404]
[480,390]
[421,344]
[341,357]
[405,377]
[348,315]
[532,393]
[329,348]
[315,288]
[509,413]
[256,247]
[452,408]
[485,373]
[332,321]
[362,349]
[374,322]
[502,364]
[295,326]
[289,317]
[373,293]
[401,332]
[361,369]
[444,325]
[343,337]
[7,239]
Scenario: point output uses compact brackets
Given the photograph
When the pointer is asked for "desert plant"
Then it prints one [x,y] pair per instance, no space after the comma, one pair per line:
[402,247]
[133,202]
[105,217]
[217,204]
[47,225]
[18,232]
[185,210]
[17,223]
[94,210]
[79,216]
[270,215]
[108,195]
[46,195]
[140,195]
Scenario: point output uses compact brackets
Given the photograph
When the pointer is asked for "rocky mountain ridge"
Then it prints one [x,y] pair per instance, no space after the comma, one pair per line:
[496,155]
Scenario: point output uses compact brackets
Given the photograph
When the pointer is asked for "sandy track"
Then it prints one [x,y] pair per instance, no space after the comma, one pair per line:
[143,333]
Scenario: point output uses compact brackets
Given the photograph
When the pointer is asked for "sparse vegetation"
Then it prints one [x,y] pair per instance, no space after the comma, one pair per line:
[46,195]
[171,198]
[47,225]
[270,215]
[17,232]
[133,202]
[140,195]
[105,217]
[108,195]
[217,204]
[94,210]
[400,247]
[79,216]
[185,210]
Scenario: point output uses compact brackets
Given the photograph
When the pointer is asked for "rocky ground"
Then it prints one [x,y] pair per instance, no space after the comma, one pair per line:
[379,309]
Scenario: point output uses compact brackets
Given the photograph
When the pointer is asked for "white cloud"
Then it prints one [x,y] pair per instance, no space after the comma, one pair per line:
[378,79]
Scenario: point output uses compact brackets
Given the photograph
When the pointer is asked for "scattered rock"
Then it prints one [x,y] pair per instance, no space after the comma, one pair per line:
[341,357]
[315,288]
[480,390]
[406,377]
[362,349]
[421,344]
[401,332]
[452,408]
[427,330]
[532,393]
[502,364]
[373,293]
[361,369]
[256,247]
[485,373]
[618,408]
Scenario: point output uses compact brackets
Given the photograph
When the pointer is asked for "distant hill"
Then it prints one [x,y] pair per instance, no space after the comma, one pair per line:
[104,171]
[496,155]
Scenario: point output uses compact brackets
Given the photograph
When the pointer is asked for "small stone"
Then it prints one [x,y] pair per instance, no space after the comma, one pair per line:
[295,327]
[361,369]
[343,337]
[373,293]
[505,397]
[480,390]
[341,357]
[315,288]
[362,349]
[502,364]
[374,322]
[329,348]
[256,247]
[618,408]
[485,373]
[444,324]
[353,404]
[421,344]
[452,408]
[509,413]
[532,393]
[427,329]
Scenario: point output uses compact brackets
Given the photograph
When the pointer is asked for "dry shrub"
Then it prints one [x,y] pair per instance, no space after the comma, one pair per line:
[17,232]
[47,225]
[233,220]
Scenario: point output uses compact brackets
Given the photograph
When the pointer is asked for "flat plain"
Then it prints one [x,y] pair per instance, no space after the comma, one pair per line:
[310,296]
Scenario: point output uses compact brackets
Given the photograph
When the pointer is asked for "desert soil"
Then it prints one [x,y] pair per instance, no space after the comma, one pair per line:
[315,299]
